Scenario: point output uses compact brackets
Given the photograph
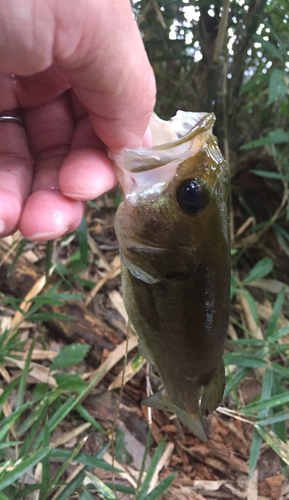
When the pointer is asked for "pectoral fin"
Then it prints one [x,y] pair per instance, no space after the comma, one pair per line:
[213,391]
[157,400]
[144,352]
[194,422]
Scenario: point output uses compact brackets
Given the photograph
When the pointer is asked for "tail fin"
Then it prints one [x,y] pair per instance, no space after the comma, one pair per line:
[194,422]
[213,391]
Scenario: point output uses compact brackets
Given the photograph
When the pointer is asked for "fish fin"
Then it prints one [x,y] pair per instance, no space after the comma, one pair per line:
[157,400]
[194,422]
[214,390]
[144,352]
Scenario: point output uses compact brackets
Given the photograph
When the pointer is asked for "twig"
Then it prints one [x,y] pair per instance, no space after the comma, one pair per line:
[221,31]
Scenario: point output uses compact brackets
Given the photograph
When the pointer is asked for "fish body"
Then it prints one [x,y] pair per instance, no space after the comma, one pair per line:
[173,232]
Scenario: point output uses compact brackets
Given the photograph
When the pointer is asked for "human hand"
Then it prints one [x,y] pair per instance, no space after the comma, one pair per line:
[78,74]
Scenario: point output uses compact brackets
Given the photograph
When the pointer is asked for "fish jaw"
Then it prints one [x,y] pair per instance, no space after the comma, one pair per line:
[141,169]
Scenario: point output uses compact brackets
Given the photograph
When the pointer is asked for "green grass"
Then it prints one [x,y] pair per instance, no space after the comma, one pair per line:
[32,423]
[26,432]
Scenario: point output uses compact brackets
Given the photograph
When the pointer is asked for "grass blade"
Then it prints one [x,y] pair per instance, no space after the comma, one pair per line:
[145,487]
[64,467]
[24,493]
[104,490]
[85,495]
[254,452]
[45,466]
[7,391]
[83,243]
[161,487]
[22,467]
[29,439]
[275,314]
[22,385]
[280,416]
[246,361]
[261,269]
[274,442]
[89,418]
[121,488]
[146,451]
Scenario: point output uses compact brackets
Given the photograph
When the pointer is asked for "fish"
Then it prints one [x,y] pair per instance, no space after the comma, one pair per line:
[173,232]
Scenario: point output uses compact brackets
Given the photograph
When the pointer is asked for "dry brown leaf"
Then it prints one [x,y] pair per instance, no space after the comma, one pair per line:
[70,478]
[125,475]
[5,323]
[217,456]
[236,492]
[252,489]
[166,455]
[117,302]
[247,223]
[26,304]
[285,488]
[40,373]
[206,485]
[251,324]
[272,486]
[114,357]
[38,478]
[38,354]
[265,312]
[65,438]
[9,242]
[232,332]
[182,493]
[30,256]
[273,286]
[5,374]
[116,261]
[96,250]
[115,271]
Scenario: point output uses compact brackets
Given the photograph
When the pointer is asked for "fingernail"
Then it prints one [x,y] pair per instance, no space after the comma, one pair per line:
[81,196]
[2,226]
[48,236]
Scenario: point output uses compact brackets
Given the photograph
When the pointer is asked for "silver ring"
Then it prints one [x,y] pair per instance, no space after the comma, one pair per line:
[5,117]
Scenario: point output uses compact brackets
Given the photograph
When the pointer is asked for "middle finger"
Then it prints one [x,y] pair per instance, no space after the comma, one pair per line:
[48,213]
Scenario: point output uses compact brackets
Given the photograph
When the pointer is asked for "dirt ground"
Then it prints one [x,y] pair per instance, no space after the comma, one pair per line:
[217,469]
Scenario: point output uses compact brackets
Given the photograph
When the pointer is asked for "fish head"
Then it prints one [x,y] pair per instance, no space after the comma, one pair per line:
[173,193]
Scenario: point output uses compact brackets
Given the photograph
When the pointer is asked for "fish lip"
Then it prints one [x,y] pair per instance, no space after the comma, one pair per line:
[142,159]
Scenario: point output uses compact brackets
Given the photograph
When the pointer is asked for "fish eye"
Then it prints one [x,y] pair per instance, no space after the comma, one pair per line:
[193,196]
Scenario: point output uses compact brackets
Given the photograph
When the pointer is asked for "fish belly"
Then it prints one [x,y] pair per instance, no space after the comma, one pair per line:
[181,324]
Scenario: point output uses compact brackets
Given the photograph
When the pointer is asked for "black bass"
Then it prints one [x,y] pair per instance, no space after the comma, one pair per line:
[173,233]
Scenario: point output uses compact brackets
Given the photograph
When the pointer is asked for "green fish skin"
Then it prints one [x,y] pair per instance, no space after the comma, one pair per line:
[176,268]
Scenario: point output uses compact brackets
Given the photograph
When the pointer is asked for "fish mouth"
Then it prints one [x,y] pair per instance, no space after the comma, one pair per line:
[172,140]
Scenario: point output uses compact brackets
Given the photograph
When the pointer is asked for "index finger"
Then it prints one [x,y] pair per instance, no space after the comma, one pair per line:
[98,46]
[109,68]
